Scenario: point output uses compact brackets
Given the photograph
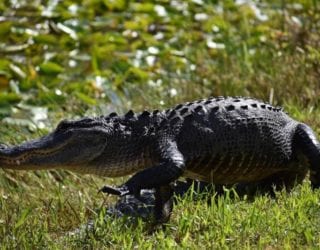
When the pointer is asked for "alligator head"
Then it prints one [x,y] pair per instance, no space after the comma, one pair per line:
[72,145]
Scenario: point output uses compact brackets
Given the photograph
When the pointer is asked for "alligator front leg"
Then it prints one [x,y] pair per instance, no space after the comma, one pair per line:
[169,169]
[163,204]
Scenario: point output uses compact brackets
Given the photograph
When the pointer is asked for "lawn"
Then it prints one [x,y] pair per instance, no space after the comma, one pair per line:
[68,59]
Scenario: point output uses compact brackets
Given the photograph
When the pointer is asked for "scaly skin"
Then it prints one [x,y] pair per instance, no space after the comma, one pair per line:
[218,140]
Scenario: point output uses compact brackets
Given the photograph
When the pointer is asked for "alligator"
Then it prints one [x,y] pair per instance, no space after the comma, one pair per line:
[222,140]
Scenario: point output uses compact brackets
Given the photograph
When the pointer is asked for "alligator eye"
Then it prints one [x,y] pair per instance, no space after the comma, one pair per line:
[63,125]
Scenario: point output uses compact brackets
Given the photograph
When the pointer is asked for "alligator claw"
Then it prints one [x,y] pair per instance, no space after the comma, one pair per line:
[120,191]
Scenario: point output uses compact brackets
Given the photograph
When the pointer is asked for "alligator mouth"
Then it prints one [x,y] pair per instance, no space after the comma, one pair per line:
[46,147]
[26,156]
[71,148]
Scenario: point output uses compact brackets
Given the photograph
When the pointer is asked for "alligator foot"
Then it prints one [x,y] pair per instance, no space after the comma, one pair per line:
[120,191]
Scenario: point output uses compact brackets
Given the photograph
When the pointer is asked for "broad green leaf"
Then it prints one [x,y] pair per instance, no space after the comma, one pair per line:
[46,39]
[143,7]
[86,99]
[5,28]
[4,64]
[9,98]
[51,68]
[115,5]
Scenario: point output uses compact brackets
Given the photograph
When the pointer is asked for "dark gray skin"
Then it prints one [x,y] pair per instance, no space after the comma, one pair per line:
[217,140]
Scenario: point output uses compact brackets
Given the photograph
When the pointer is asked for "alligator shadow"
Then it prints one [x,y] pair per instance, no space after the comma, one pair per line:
[132,209]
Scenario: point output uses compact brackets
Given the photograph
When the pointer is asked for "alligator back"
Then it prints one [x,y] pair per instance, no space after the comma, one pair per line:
[230,140]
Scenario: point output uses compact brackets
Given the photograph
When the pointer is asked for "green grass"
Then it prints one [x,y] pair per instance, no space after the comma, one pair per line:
[45,215]
[114,55]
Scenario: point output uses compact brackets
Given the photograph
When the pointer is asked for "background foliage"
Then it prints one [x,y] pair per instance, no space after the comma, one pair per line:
[64,59]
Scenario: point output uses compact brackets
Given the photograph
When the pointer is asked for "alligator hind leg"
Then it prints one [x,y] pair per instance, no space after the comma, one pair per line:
[306,142]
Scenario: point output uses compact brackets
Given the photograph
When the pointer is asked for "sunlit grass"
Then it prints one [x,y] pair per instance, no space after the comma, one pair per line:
[46,218]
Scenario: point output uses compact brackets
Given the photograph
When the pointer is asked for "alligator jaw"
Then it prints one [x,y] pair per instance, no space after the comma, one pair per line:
[66,149]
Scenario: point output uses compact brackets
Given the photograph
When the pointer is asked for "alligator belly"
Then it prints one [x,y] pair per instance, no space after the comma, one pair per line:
[234,169]
[231,177]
